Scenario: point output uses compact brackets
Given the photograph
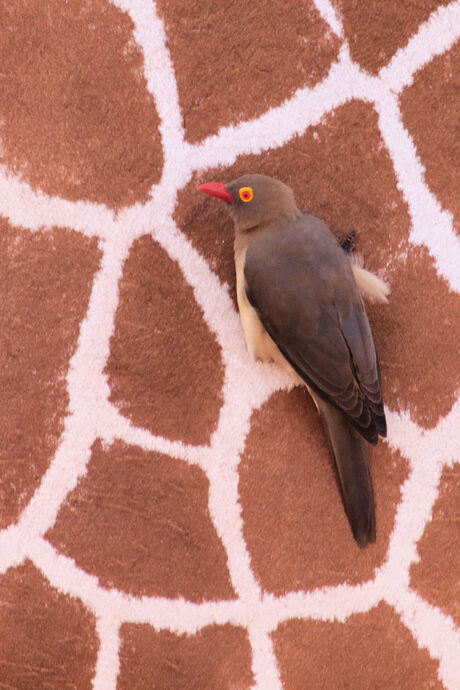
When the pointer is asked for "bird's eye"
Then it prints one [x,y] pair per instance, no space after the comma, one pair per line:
[246,194]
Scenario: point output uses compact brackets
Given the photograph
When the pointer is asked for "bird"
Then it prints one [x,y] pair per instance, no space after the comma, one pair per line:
[300,300]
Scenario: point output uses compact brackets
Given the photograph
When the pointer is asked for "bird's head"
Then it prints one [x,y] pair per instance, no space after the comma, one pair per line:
[254,201]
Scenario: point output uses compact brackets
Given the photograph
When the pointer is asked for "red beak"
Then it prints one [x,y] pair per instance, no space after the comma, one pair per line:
[216,189]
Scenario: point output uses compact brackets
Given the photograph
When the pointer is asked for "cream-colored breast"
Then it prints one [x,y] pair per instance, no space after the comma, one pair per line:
[258,342]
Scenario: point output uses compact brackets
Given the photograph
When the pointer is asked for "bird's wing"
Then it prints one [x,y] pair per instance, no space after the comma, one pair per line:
[299,280]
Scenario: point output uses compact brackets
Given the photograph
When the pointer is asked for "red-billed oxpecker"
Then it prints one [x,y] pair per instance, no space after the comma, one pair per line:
[299,298]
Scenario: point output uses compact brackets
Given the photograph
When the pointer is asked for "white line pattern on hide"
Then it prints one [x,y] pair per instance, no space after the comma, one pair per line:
[91,415]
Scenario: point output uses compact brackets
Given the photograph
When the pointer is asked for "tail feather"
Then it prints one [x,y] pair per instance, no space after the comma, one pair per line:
[351,458]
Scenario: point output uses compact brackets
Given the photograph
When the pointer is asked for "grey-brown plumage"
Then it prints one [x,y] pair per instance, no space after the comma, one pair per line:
[301,306]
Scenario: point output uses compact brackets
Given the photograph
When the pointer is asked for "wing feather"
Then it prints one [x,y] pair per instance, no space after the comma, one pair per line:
[300,282]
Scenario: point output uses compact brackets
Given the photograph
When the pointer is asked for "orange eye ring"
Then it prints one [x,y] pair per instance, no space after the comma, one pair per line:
[246,194]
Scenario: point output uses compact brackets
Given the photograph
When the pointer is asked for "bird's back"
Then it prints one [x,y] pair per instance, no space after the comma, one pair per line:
[301,284]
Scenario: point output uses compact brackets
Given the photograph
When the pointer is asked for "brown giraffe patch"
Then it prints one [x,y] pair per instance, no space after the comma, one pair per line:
[76,119]
[376,29]
[436,577]
[208,225]
[164,368]
[416,336]
[140,522]
[216,657]
[294,522]
[235,60]
[430,110]
[47,639]
[45,282]
[370,651]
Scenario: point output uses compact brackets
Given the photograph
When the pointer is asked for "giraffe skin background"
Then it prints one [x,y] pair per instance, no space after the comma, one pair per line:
[169,514]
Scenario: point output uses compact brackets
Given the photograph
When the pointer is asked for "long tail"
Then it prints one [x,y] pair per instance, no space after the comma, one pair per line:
[351,458]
